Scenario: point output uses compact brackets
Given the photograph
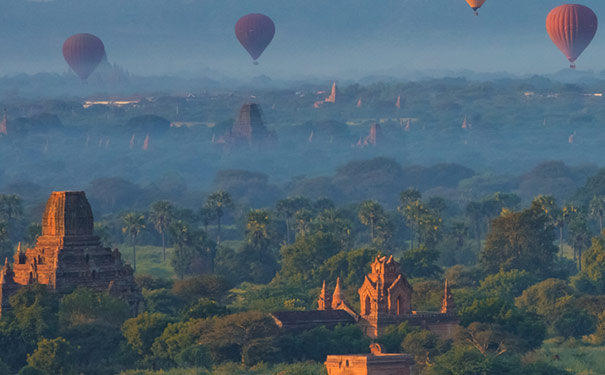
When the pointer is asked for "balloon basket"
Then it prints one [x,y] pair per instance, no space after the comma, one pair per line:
[572,66]
[476,13]
[255,63]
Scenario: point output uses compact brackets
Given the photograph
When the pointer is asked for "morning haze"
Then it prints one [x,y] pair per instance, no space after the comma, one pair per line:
[317,38]
[238,187]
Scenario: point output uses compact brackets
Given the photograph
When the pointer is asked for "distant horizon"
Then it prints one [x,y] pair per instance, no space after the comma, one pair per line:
[159,37]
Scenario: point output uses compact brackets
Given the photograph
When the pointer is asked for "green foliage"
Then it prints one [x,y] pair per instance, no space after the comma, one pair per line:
[591,279]
[140,332]
[372,215]
[340,340]
[507,284]
[574,323]
[427,295]
[53,356]
[302,260]
[351,266]
[97,347]
[85,306]
[244,265]
[424,345]
[204,308]
[249,337]
[4,369]
[393,337]
[275,296]
[208,286]
[177,345]
[464,360]
[191,247]
[421,262]
[547,298]
[31,370]
[163,301]
[34,312]
[520,240]
[463,276]
[528,326]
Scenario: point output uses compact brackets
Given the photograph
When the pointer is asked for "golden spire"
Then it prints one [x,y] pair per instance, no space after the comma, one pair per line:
[337,296]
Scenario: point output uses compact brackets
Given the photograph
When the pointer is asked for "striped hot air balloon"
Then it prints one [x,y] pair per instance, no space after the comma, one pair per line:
[571,28]
[83,53]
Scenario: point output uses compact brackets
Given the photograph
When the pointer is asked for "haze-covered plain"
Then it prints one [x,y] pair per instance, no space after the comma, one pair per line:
[460,146]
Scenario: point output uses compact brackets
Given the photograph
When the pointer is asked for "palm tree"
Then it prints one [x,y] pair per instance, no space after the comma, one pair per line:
[217,203]
[286,208]
[370,212]
[303,219]
[133,225]
[474,211]
[597,209]
[408,199]
[161,215]
[206,216]
[257,230]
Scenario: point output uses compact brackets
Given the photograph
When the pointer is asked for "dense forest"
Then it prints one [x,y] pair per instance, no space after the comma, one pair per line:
[496,187]
[526,277]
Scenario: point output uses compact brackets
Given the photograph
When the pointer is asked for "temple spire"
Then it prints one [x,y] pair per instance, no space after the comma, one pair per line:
[448,305]
[337,296]
[324,302]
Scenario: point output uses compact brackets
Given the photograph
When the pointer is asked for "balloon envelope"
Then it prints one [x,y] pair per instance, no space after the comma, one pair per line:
[475,4]
[571,27]
[83,53]
[255,32]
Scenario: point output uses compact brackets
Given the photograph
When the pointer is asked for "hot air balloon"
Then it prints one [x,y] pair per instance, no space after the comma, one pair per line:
[475,4]
[255,32]
[572,27]
[83,53]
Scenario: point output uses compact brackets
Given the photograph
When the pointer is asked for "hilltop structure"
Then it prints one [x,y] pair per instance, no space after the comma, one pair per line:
[68,255]
[385,300]
[249,128]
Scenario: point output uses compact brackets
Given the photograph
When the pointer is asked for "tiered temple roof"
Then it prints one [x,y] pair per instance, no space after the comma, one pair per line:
[68,255]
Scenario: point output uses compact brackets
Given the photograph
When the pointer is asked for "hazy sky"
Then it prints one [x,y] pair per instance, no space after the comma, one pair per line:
[314,37]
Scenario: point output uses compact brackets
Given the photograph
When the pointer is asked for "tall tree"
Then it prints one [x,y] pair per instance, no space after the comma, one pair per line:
[579,237]
[132,225]
[257,231]
[287,208]
[520,240]
[206,217]
[370,214]
[218,202]
[408,198]
[474,212]
[161,215]
[597,209]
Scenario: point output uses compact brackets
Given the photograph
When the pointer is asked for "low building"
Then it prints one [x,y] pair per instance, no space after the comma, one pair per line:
[376,363]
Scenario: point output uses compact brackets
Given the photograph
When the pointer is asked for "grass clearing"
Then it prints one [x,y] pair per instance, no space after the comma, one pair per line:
[574,357]
[149,260]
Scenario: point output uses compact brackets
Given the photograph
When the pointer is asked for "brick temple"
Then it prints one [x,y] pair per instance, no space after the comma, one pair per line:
[378,362]
[68,255]
[385,300]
